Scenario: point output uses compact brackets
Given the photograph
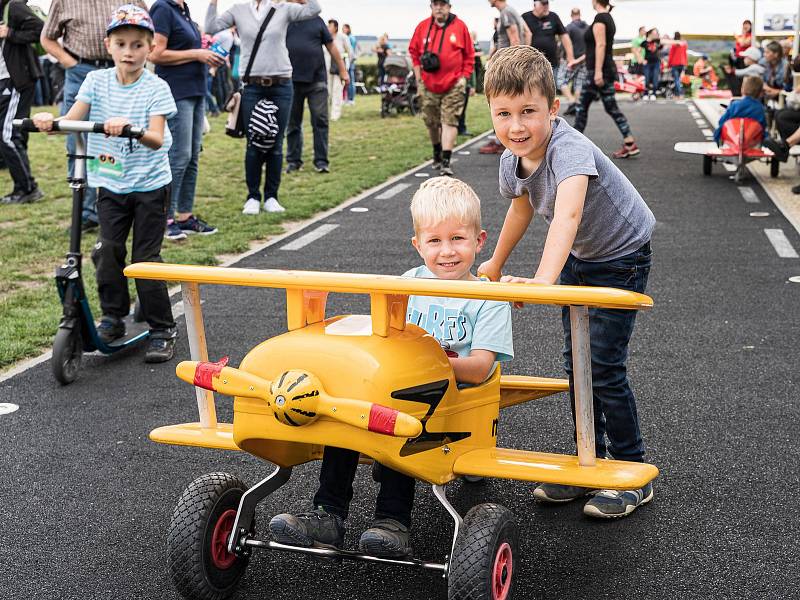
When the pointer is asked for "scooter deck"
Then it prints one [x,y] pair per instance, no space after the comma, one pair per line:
[133,331]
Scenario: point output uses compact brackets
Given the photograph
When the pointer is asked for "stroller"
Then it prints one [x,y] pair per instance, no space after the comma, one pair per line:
[399,88]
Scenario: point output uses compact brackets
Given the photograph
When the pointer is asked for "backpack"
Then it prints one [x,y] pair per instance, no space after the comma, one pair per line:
[263,127]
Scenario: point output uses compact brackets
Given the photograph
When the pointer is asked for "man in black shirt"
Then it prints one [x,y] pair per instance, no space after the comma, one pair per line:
[304,40]
[546,29]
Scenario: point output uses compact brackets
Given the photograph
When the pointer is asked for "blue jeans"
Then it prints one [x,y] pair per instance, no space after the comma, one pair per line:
[254,160]
[677,72]
[652,75]
[615,413]
[351,88]
[317,95]
[73,79]
[186,128]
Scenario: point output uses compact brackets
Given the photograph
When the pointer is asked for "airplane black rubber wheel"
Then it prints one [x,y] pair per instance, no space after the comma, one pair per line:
[774,167]
[197,557]
[707,162]
[67,354]
[485,555]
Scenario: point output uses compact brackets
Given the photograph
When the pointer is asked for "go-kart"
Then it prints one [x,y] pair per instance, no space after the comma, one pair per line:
[741,144]
[385,388]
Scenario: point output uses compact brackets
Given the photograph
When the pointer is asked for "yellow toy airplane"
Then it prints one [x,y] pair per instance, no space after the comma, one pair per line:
[382,387]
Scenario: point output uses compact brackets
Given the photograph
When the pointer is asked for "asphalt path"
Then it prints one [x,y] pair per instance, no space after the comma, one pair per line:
[86,498]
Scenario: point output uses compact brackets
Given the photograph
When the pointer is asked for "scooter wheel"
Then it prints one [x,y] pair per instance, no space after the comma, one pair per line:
[67,354]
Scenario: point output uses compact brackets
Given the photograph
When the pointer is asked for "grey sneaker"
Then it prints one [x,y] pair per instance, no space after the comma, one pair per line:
[386,538]
[557,494]
[110,329]
[612,504]
[446,170]
[317,528]
[159,349]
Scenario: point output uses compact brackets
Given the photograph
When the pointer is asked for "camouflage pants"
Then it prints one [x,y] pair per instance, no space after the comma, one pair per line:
[443,108]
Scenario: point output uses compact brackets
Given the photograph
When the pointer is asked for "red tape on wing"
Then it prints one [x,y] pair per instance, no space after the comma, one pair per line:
[382,419]
[206,370]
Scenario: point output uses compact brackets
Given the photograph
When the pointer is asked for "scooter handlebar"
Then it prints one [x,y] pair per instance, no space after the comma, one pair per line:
[79,127]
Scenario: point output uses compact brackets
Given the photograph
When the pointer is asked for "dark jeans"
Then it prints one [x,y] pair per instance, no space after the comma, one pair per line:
[589,92]
[615,413]
[677,73]
[652,75]
[787,121]
[254,160]
[395,498]
[15,104]
[73,79]
[146,213]
[462,119]
[317,96]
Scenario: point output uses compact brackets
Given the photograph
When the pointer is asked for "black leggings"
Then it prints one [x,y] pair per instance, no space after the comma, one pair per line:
[787,121]
[589,93]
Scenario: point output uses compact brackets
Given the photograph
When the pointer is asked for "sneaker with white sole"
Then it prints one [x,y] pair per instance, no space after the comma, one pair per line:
[252,207]
[272,205]
[613,504]
[554,493]
[316,528]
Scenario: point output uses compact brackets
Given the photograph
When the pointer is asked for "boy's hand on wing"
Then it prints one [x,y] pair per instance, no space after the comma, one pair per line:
[512,279]
[115,125]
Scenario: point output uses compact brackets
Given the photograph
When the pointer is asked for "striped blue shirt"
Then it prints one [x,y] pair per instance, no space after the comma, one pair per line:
[120,165]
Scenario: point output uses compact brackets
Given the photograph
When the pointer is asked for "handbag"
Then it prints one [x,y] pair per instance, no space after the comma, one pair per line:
[234,127]
[430,60]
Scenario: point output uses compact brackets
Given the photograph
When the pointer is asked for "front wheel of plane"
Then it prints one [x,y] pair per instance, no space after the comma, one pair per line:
[199,563]
[707,162]
[67,354]
[485,555]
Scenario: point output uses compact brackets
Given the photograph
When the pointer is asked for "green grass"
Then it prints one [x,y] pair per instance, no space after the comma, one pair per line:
[365,150]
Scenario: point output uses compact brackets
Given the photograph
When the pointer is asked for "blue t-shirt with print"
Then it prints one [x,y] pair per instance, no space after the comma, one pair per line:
[462,324]
[175,23]
[120,165]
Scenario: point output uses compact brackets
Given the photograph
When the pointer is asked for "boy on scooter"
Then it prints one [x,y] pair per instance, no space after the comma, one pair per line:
[132,177]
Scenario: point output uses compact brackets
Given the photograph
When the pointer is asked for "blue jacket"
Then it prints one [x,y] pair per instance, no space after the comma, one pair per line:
[746,108]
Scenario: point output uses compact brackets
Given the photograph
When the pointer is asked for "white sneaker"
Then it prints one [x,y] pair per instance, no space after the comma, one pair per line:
[251,207]
[271,205]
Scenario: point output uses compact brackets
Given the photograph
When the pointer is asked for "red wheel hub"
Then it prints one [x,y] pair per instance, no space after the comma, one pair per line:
[220,556]
[501,574]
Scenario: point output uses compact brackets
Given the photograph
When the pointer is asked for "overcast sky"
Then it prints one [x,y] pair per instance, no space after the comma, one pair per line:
[399,17]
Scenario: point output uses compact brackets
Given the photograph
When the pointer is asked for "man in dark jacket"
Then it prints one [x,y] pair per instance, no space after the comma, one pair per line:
[19,70]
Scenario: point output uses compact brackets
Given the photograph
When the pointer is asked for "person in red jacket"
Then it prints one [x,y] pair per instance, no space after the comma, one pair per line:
[443,58]
[678,60]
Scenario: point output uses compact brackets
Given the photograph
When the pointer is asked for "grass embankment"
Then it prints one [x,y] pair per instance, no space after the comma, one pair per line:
[365,151]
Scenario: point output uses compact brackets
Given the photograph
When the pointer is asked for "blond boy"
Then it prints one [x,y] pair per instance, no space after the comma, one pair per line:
[476,334]
[599,234]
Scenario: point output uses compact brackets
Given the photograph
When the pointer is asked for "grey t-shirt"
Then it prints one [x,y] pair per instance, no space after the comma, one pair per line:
[508,17]
[616,220]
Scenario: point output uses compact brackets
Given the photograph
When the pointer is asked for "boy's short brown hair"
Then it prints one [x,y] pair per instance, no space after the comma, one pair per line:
[519,70]
[752,86]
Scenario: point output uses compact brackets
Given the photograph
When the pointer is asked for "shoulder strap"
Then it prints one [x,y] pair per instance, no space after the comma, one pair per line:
[258,42]
[428,35]
[441,40]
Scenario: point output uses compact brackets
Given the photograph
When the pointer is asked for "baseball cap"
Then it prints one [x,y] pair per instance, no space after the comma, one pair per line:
[130,15]
[752,53]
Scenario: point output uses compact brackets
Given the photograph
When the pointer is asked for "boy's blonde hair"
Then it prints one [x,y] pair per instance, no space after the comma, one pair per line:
[752,86]
[442,198]
[519,70]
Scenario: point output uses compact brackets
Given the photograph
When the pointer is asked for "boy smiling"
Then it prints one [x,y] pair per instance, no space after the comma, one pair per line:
[599,234]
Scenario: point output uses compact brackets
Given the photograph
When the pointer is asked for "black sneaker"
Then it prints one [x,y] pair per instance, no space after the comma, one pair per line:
[110,329]
[437,163]
[292,167]
[173,232]
[386,538]
[159,349]
[778,147]
[322,169]
[89,225]
[195,224]
[10,198]
[796,189]
[318,528]
[23,197]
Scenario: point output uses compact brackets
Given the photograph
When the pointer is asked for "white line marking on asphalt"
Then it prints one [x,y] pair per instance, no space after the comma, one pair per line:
[729,167]
[311,236]
[748,194]
[781,243]
[708,133]
[392,191]
[359,209]
[759,214]
[421,175]
[795,279]
[464,152]
[7,408]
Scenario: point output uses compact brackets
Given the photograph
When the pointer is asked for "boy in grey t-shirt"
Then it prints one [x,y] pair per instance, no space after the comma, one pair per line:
[599,235]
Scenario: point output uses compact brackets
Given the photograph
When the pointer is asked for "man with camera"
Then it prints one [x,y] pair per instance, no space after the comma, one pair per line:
[443,58]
